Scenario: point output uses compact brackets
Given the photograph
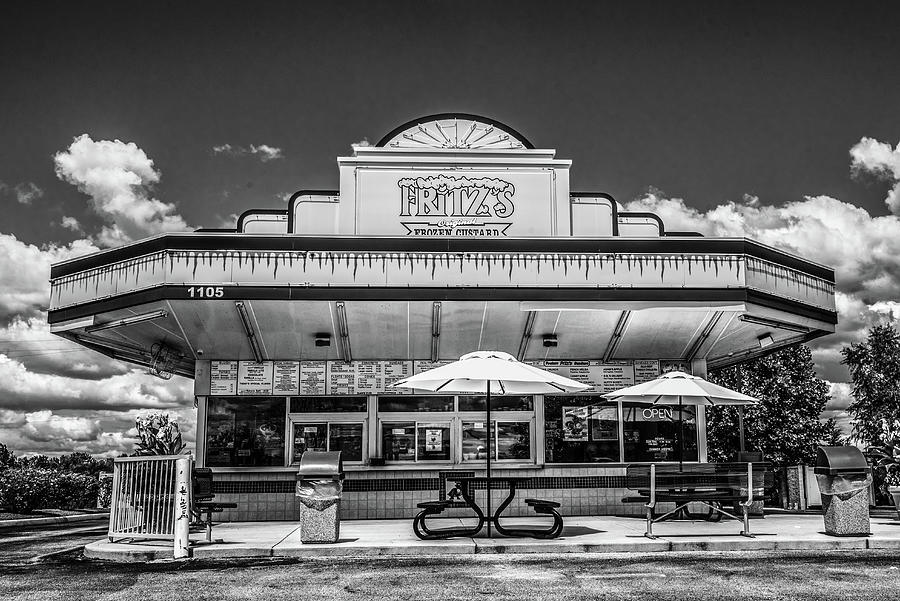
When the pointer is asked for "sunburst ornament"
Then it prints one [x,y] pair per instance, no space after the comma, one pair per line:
[455,132]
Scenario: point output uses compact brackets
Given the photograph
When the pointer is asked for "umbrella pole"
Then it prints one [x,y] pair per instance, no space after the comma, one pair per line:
[680,435]
[740,429]
[490,435]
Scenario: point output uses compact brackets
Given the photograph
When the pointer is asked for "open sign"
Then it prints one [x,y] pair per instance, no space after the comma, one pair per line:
[657,413]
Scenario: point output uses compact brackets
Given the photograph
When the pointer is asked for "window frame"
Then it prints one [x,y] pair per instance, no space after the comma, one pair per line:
[295,419]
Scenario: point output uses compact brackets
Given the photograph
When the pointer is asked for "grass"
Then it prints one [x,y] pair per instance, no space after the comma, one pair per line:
[868,575]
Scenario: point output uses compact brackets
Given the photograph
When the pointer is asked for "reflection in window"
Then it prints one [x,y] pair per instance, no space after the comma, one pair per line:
[651,432]
[398,441]
[333,404]
[581,429]
[347,438]
[415,403]
[245,432]
[512,441]
[498,403]
[411,441]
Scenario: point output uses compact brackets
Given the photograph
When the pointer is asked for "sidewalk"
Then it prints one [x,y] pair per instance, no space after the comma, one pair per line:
[582,534]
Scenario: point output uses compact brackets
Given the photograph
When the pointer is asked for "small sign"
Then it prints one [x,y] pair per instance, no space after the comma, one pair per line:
[433,440]
[223,377]
[398,431]
[575,423]
[254,378]
[286,378]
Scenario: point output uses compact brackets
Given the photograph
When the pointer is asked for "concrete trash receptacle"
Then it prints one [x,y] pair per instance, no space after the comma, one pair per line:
[844,479]
[319,489]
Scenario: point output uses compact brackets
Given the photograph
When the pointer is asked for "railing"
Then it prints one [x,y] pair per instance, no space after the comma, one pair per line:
[151,499]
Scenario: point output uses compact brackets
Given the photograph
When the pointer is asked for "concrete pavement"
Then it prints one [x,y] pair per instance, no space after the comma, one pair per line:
[582,534]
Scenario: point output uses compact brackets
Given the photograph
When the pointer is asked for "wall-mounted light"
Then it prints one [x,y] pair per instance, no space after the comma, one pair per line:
[773,323]
[248,330]
[128,321]
[526,335]
[765,340]
[435,329]
[343,331]
[323,339]
[550,340]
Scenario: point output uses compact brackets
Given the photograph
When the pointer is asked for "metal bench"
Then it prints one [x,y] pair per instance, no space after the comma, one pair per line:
[710,484]
[202,496]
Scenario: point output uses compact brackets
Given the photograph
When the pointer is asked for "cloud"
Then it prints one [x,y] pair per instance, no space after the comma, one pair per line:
[70,223]
[118,178]
[863,249]
[26,292]
[24,192]
[23,389]
[263,152]
[43,426]
[364,143]
[869,156]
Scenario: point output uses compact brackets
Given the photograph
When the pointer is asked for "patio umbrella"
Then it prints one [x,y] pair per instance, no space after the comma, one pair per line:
[679,388]
[487,372]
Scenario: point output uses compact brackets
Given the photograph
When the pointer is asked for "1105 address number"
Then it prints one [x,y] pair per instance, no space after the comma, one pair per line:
[206,291]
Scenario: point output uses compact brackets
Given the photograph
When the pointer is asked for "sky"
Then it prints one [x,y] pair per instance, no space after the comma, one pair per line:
[780,122]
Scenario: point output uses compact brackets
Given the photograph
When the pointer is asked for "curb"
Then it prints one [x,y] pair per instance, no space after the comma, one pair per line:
[53,520]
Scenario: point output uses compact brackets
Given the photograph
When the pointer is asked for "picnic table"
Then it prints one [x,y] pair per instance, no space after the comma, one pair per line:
[713,485]
[464,490]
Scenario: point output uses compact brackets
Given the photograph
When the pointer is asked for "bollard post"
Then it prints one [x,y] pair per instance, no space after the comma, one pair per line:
[182,506]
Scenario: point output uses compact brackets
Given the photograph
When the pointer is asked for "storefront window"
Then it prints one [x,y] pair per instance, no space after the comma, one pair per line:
[245,432]
[335,404]
[344,437]
[581,429]
[651,432]
[412,441]
[498,403]
[400,404]
[512,441]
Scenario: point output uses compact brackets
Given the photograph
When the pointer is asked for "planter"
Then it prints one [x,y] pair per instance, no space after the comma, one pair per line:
[895,494]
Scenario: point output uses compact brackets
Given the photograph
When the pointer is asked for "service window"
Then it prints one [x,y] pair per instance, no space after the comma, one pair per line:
[415,441]
[511,441]
[329,436]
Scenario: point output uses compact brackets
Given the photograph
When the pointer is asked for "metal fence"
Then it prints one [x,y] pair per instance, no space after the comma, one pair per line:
[150,496]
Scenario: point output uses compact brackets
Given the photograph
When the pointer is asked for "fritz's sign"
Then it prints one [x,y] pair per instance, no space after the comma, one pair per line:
[456,206]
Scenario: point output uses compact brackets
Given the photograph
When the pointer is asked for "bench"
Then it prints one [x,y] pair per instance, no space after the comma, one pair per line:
[710,484]
[202,497]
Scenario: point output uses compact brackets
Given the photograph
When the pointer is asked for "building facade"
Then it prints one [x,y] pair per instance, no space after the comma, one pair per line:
[452,234]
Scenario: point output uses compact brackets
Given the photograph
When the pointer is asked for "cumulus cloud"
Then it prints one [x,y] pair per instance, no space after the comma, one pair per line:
[119,179]
[263,152]
[26,292]
[869,156]
[70,223]
[23,389]
[43,426]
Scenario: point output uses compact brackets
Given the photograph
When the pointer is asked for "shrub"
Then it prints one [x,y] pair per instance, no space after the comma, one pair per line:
[22,490]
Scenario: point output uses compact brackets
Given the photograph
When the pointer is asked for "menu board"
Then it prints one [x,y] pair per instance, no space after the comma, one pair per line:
[616,375]
[369,377]
[396,370]
[341,378]
[254,378]
[312,378]
[248,378]
[286,377]
[646,370]
[223,377]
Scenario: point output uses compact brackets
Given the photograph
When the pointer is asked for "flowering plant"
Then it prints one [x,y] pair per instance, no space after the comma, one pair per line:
[887,455]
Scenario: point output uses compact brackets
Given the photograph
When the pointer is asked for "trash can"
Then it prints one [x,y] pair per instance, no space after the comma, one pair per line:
[844,478]
[319,488]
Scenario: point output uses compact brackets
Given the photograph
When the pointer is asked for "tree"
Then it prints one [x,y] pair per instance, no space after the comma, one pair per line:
[7,459]
[158,435]
[874,366]
[786,424]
